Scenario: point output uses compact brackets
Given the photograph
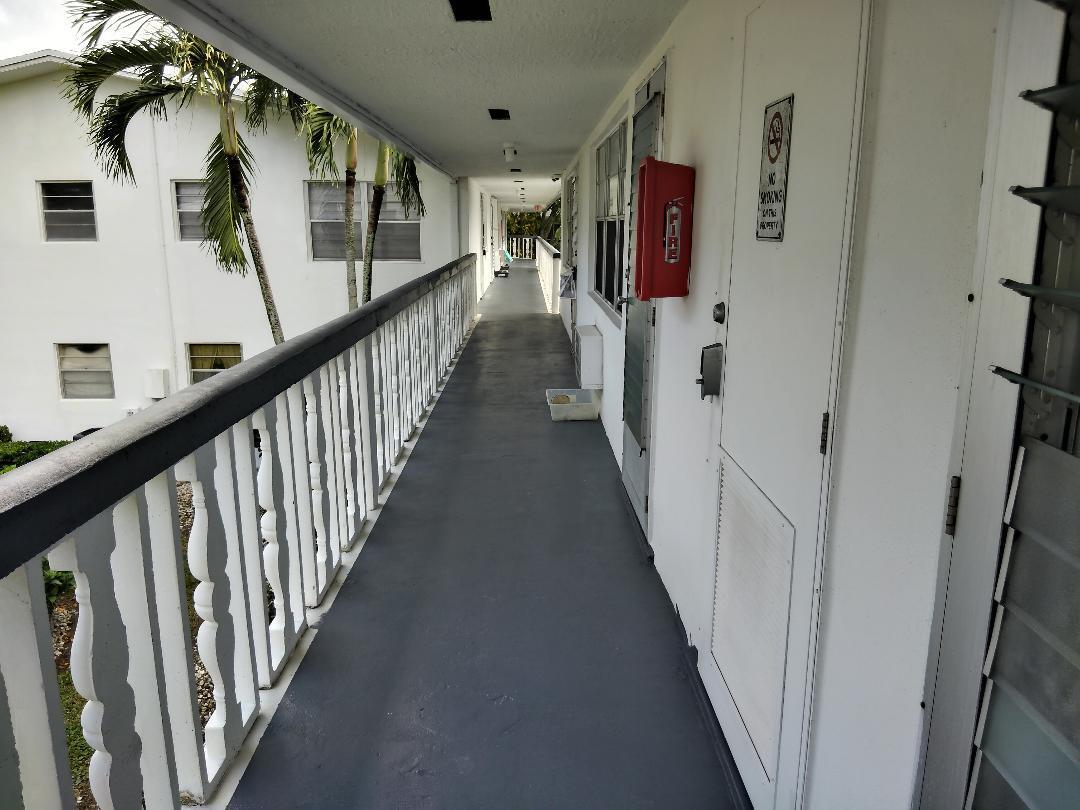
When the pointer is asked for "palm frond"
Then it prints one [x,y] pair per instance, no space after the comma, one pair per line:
[265,99]
[322,130]
[147,59]
[108,128]
[93,17]
[407,183]
[221,211]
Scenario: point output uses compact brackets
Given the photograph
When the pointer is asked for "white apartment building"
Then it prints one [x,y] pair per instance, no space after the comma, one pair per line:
[110,299]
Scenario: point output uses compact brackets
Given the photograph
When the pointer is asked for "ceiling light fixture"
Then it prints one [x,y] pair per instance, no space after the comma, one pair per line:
[471,10]
[498,114]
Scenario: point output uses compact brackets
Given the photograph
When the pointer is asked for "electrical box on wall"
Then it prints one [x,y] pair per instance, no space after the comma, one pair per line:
[665,229]
[156,383]
[589,345]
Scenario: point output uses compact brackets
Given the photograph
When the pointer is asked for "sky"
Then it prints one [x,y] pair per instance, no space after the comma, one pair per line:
[34,25]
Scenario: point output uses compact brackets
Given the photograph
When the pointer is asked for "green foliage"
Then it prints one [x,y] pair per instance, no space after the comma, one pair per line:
[57,583]
[222,208]
[5,434]
[79,751]
[406,182]
[15,454]
[546,224]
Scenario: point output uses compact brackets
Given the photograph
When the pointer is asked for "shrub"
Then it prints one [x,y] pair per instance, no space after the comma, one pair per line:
[15,454]
[57,584]
[5,433]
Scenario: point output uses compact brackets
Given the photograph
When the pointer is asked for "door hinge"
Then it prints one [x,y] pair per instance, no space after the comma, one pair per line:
[654,316]
[824,433]
[951,504]
[646,503]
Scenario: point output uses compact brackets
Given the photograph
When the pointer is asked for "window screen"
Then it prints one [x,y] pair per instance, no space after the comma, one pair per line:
[85,371]
[68,210]
[610,215]
[189,201]
[207,359]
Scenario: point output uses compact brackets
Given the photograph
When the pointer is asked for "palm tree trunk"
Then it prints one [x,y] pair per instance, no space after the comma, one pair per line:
[378,191]
[350,242]
[256,251]
[351,159]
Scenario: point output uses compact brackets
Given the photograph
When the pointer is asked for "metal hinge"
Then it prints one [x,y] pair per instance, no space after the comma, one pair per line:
[646,503]
[824,433]
[654,316]
[951,504]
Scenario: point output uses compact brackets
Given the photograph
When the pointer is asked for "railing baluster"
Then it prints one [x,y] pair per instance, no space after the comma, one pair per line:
[158,504]
[368,410]
[301,485]
[328,457]
[337,454]
[349,444]
[224,637]
[116,661]
[246,486]
[33,753]
[279,530]
[320,497]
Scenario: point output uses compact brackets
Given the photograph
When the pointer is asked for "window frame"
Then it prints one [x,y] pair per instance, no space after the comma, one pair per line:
[600,214]
[40,187]
[187,353]
[176,209]
[60,373]
[360,209]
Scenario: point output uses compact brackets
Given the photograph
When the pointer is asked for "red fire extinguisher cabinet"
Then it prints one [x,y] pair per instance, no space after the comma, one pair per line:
[665,229]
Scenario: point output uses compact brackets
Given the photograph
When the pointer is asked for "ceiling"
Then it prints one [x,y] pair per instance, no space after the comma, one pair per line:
[409,73]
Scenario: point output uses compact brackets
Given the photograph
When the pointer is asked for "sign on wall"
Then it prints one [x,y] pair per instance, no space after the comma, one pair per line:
[772,185]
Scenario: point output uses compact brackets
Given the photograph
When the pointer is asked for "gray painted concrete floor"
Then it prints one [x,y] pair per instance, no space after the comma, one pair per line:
[501,642]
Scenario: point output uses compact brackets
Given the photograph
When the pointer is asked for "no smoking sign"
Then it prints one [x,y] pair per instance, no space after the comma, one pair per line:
[772,185]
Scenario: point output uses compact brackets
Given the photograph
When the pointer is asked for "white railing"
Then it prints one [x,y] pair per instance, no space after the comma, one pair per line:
[285,456]
[549,267]
[523,247]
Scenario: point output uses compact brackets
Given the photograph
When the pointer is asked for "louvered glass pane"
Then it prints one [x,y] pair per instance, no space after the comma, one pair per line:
[85,371]
[1033,762]
[67,196]
[598,266]
[189,195]
[992,792]
[1037,578]
[190,225]
[1039,673]
[328,240]
[207,359]
[610,260]
[398,241]
[326,201]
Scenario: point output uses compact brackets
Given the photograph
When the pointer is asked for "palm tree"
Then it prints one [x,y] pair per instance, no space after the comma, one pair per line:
[175,68]
[322,131]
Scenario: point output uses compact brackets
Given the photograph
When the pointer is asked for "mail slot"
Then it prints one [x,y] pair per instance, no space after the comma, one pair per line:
[665,228]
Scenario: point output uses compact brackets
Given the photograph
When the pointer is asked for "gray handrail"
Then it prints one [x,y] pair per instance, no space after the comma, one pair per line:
[41,502]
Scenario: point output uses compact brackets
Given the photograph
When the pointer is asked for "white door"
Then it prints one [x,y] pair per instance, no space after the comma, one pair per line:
[784,311]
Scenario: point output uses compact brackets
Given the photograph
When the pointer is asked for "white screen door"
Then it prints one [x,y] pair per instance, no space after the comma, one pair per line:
[781,350]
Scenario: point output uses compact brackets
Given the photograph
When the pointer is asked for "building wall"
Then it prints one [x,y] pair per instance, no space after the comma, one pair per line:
[922,150]
[139,287]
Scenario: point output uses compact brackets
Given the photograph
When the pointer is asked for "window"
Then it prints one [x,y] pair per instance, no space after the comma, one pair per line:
[207,359]
[398,236]
[570,215]
[85,371]
[610,216]
[189,200]
[68,210]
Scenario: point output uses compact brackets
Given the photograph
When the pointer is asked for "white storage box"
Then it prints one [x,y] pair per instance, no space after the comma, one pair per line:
[573,404]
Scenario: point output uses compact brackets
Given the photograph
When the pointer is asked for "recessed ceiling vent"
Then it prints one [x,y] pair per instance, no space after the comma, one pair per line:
[471,10]
[498,114]
[515,170]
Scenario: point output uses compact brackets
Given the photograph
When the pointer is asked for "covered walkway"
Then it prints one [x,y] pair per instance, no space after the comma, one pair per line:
[501,641]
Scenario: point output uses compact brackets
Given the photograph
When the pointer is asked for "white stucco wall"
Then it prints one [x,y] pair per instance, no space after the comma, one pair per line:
[138,287]
[926,112]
